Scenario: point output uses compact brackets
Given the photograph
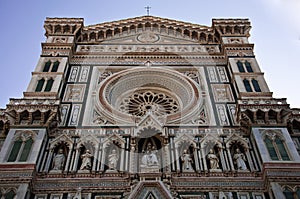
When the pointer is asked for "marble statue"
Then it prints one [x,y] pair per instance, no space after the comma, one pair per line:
[239,160]
[186,161]
[59,160]
[86,160]
[113,160]
[213,160]
[150,157]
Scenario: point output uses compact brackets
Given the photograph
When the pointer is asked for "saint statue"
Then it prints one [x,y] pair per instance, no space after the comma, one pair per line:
[186,161]
[59,160]
[86,160]
[150,158]
[239,160]
[113,160]
[213,160]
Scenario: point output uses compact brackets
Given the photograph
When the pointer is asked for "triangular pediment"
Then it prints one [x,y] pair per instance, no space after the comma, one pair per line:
[149,37]
[147,19]
[150,190]
[147,29]
[150,121]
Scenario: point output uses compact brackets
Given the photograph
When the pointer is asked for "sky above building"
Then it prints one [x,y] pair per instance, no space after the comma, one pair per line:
[275,33]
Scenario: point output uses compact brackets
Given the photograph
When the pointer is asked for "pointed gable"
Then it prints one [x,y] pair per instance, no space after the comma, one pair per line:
[169,28]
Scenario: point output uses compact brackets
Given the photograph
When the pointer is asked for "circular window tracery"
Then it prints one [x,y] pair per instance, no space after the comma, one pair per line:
[140,103]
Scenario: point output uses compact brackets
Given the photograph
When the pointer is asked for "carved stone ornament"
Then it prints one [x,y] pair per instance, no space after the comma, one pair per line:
[148,37]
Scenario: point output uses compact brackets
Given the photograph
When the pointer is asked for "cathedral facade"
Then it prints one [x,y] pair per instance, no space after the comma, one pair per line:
[148,107]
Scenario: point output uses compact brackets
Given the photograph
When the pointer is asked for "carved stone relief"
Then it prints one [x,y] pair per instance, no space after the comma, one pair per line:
[222,93]
[148,48]
[73,74]
[84,73]
[74,93]
[148,37]
[64,113]
[222,74]
[223,118]
[193,75]
[60,40]
[212,75]
[103,75]
[232,111]
[75,114]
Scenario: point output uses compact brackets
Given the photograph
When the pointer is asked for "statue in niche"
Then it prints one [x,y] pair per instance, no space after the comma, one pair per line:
[59,160]
[113,160]
[239,160]
[149,158]
[186,161]
[213,160]
[86,160]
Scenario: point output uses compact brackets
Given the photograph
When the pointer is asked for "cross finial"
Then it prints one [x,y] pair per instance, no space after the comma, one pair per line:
[148,9]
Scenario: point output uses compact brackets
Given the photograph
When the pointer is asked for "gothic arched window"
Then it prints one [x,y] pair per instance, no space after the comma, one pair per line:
[20,150]
[240,67]
[247,85]
[10,195]
[47,66]
[51,66]
[49,85]
[256,85]
[40,85]
[248,67]
[55,66]
[276,148]
[291,194]
[271,149]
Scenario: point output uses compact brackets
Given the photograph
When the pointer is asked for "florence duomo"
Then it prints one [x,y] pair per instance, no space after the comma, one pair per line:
[146,108]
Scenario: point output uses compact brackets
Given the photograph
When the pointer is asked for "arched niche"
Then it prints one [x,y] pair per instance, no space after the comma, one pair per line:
[148,147]
[113,144]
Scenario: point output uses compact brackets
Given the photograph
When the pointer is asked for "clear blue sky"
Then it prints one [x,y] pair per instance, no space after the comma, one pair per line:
[275,33]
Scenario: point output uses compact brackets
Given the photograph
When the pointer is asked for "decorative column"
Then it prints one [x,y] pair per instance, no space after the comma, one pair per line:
[49,160]
[72,162]
[204,159]
[133,157]
[122,159]
[249,160]
[166,153]
[200,160]
[230,159]
[68,159]
[222,159]
[196,158]
[103,158]
[95,159]
[99,158]
[172,159]
[127,154]
[177,159]
[77,153]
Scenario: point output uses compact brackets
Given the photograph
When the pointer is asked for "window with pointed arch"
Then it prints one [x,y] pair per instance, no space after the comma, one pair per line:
[244,66]
[49,85]
[51,66]
[247,85]
[40,85]
[276,147]
[291,193]
[10,195]
[240,67]
[248,67]
[256,85]
[21,149]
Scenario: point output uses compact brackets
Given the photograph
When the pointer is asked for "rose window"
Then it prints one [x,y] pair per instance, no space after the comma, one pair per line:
[158,103]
